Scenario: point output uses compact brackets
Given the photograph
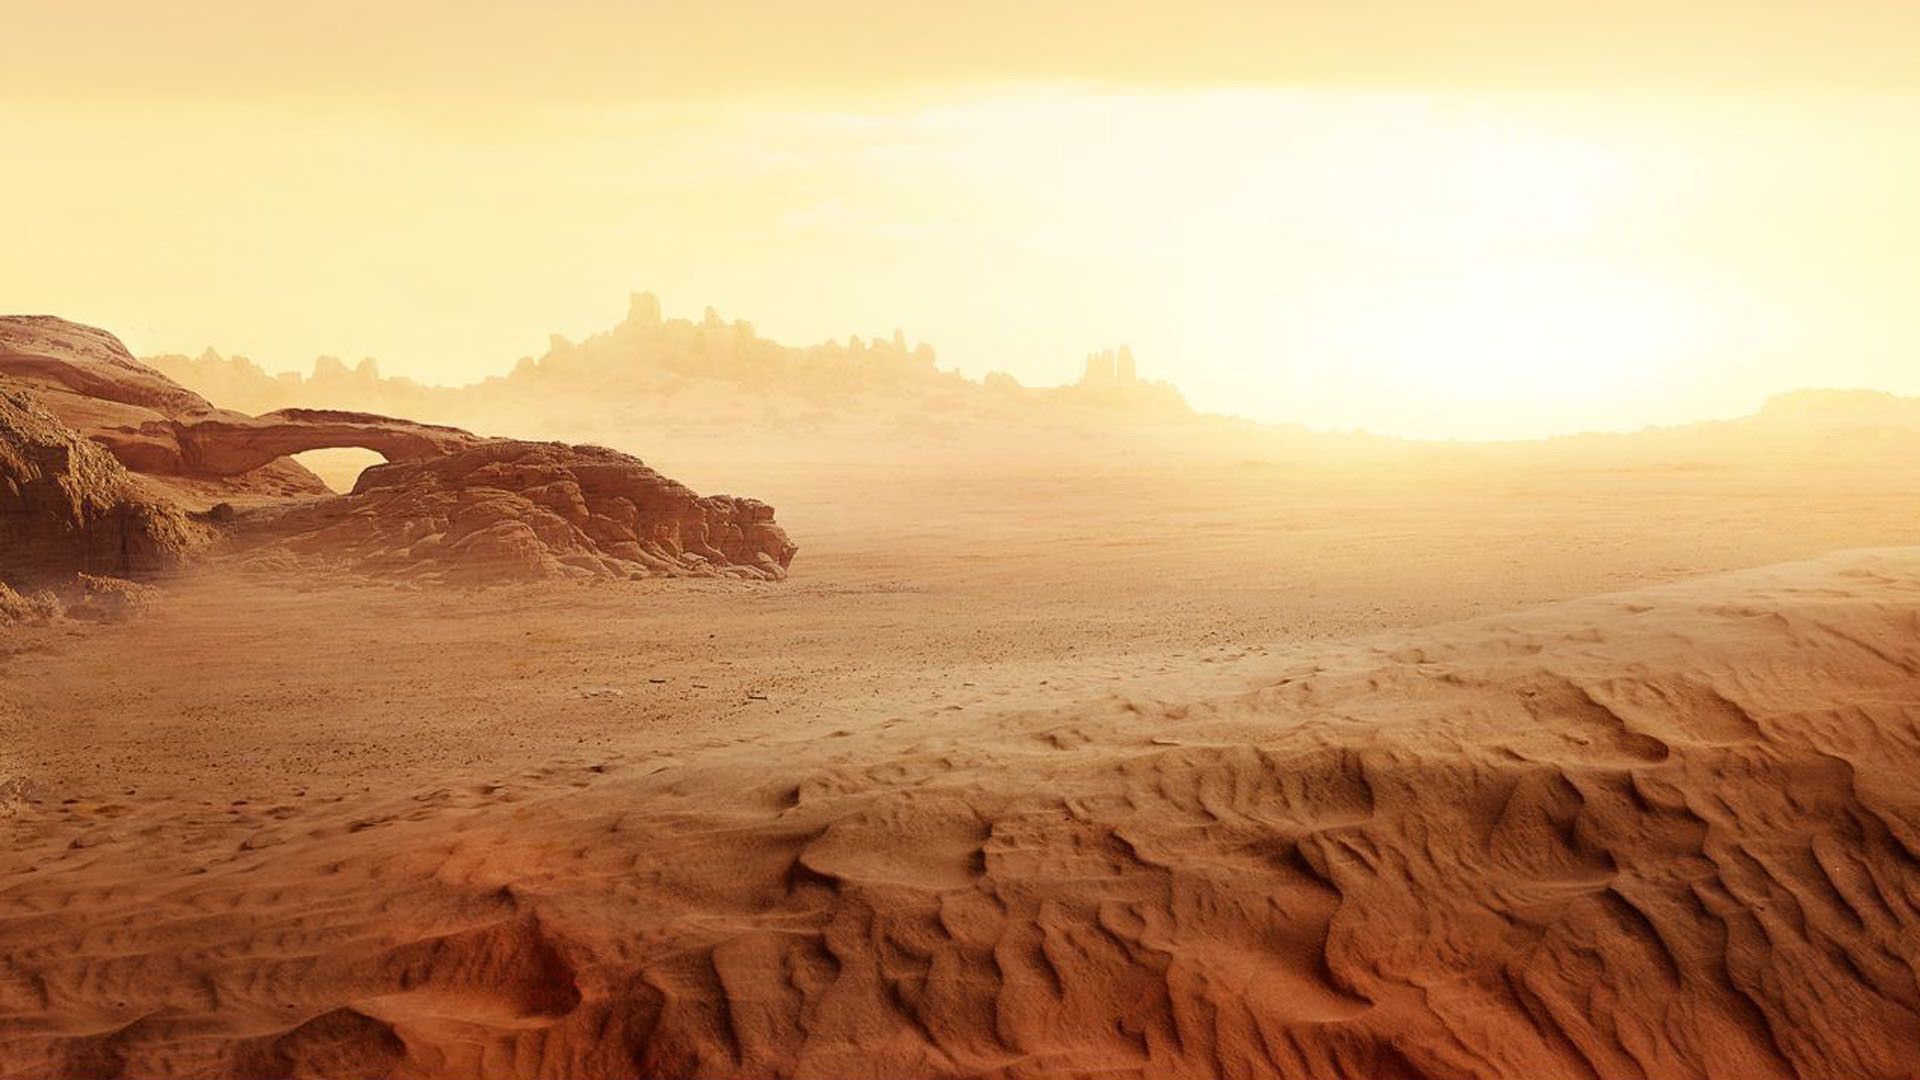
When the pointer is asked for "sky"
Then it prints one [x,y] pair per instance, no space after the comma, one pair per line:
[1472,220]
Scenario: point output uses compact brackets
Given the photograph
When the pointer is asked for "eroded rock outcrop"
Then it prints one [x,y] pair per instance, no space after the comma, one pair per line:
[508,510]
[107,466]
[69,507]
[233,445]
[89,381]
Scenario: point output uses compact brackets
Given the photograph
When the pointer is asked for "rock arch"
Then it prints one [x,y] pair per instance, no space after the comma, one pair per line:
[231,444]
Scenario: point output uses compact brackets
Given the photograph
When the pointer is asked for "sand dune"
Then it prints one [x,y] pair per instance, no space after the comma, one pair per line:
[1669,832]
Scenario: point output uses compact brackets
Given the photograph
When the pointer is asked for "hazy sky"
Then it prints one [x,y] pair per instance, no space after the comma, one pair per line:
[1441,219]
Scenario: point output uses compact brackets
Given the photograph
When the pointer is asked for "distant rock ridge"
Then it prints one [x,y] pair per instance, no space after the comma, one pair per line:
[716,348]
[1851,404]
[108,467]
[649,356]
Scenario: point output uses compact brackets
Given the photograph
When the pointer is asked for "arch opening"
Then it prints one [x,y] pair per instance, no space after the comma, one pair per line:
[339,467]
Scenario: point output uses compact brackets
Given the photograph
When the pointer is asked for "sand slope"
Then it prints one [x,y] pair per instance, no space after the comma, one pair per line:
[1672,832]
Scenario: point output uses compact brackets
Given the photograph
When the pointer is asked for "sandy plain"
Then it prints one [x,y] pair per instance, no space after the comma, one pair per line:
[1471,762]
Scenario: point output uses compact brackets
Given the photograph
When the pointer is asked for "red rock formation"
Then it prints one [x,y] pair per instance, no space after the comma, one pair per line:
[507,510]
[159,427]
[91,384]
[89,363]
[68,507]
[230,444]
[449,504]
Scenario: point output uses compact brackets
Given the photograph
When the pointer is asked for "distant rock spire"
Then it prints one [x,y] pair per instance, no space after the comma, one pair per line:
[643,309]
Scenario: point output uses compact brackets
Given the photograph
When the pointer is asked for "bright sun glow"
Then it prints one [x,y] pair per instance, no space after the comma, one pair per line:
[1430,268]
[1512,341]
[1424,264]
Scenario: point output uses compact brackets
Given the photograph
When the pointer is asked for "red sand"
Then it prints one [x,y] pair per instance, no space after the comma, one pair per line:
[1670,832]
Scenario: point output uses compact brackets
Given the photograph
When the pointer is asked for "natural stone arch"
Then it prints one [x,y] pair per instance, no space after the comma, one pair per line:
[231,445]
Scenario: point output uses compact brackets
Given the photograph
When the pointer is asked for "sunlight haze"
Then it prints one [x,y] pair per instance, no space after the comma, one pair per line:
[1168,539]
[1456,251]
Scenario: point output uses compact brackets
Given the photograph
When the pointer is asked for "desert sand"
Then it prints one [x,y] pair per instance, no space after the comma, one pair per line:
[1116,800]
[1117,747]
[1136,541]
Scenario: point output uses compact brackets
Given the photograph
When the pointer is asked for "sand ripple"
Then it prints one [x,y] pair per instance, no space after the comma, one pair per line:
[1673,833]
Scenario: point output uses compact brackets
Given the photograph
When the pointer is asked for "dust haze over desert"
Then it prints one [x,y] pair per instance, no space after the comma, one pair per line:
[743,540]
